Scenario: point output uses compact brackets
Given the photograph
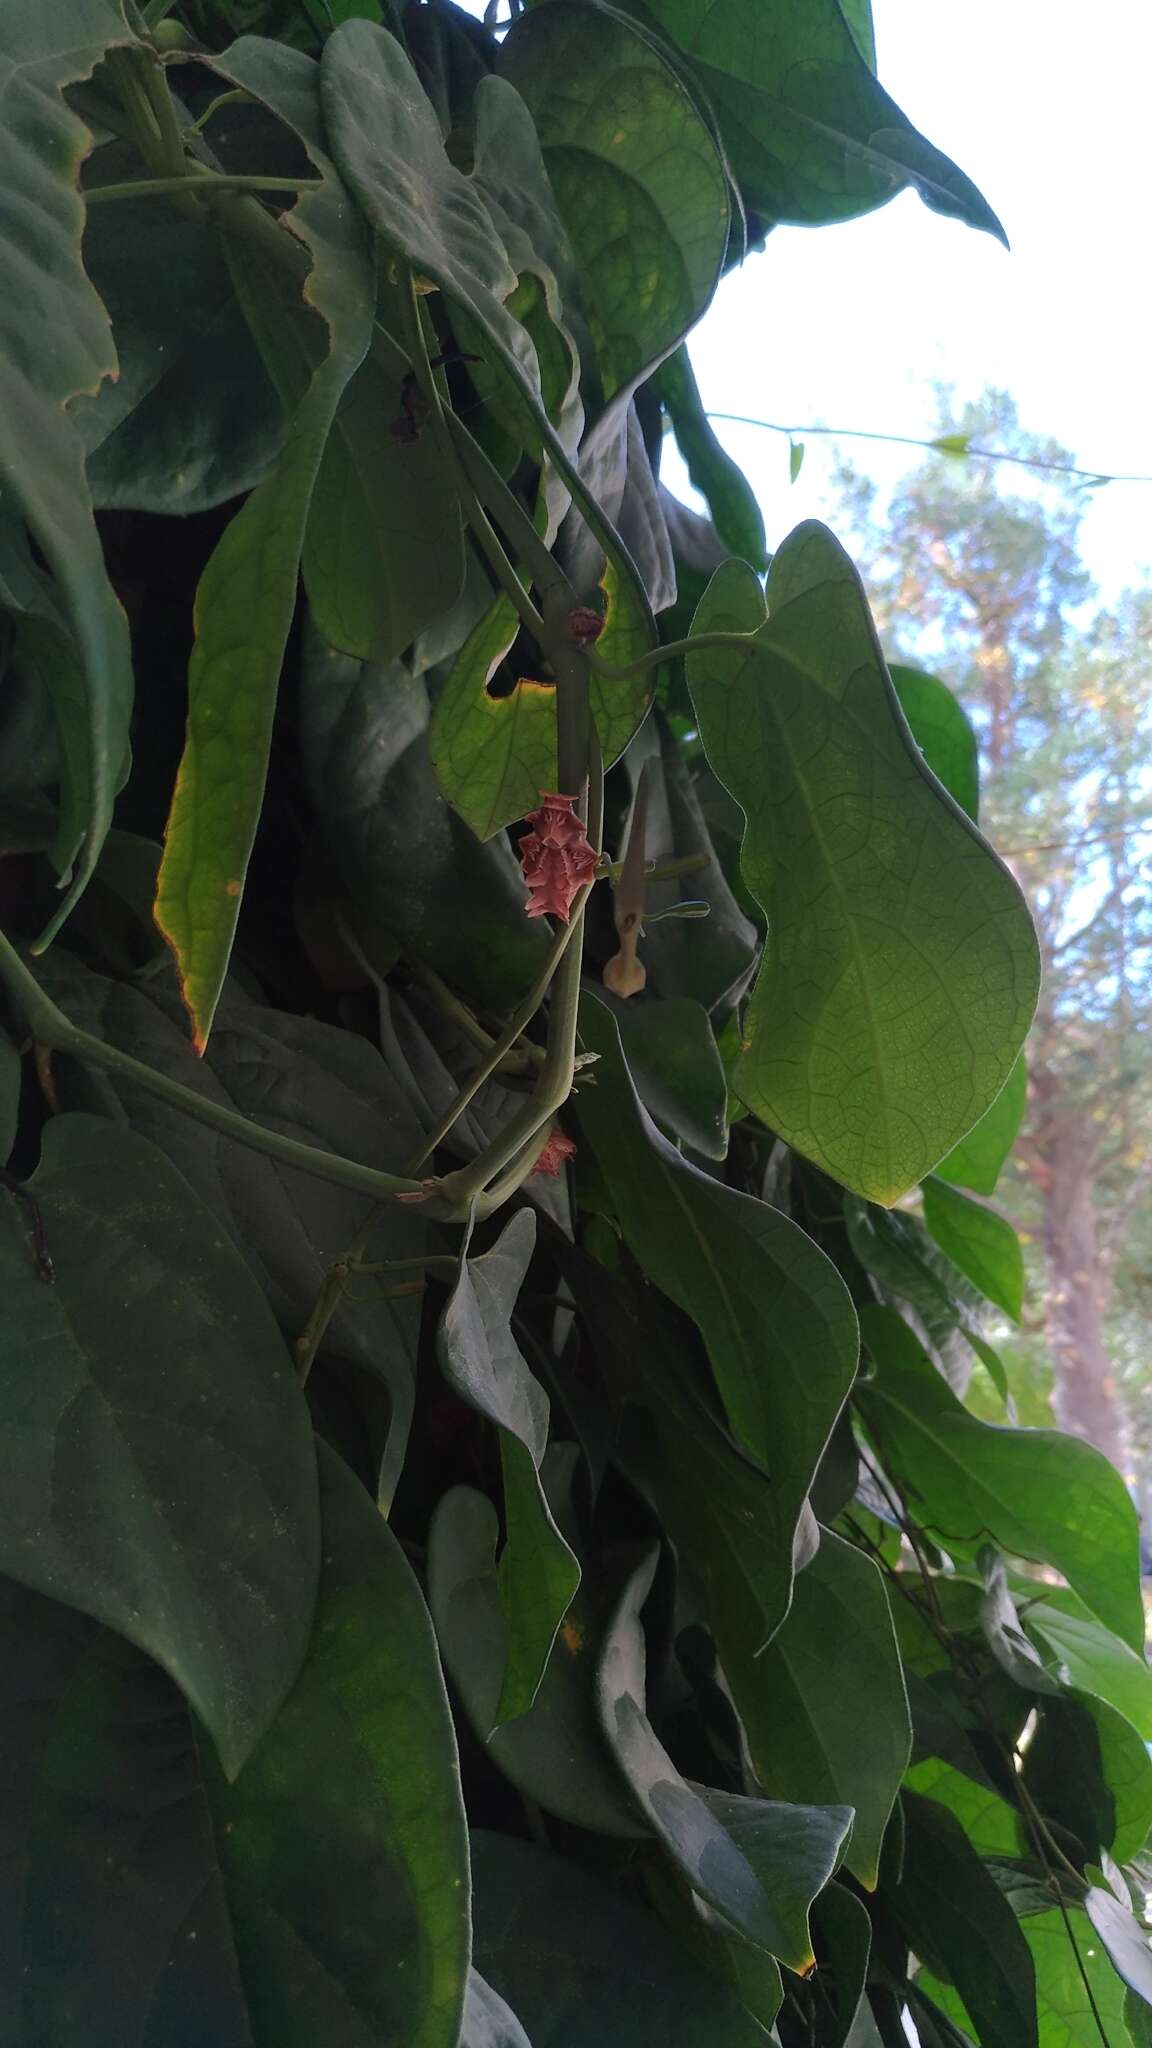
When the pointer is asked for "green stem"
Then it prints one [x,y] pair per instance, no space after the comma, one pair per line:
[50,1027]
[506,508]
[657,870]
[1095,476]
[522,1059]
[733,643]
[223,99]
[199,183]
[481,526]
[157,11]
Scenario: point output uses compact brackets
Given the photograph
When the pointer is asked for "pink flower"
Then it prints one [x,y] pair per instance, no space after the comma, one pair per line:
[556,1151]
[556,857]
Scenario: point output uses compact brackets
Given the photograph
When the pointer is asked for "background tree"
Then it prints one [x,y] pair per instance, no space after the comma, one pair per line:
[975,572]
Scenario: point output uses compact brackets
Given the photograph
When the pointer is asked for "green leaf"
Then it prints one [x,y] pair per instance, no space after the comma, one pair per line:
[759,1864]
[483,1364]
[1126,1768]
[10,1071]
[795,460]
[977,1160]
[638,178]
[1124,1938]
[1093,1659]
[676,1068]
[772,1310]
[582,1964]
[404,856]
[321,1897]
[951,444]
[55,343]
[555,1753]
[1063,2006]
[893,1247]
[736,515]
[992,1362]
[943,732]
[983,1244]
[810,134]
[843,1947]
[1034,1492]
[831,1670]
[956,1917]
[247,594]
[159,1470]
[193,418]
[1003,1631]
[307,1080]
[993,1827]
[900,969]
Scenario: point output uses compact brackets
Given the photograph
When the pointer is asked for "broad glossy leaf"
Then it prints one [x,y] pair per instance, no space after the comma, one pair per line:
[893,1248]
[772,1310]
[1066,1771]
[321,1897]
[193,418]
[758,1863]
[1093,1659]
[1127,1769]
[45,687]
[247,594]
[943,733]
[992,1826]
[901,969]
[982,1243]
[484,1365]
[1032,1491]
[403,855]
[956,1917]
[637,175]
[555,1753]
[1003,1631]
[831,1670]
[308,1080]
[751,1974]
[123,1493]
[56,342]
[810,134]
[731,501]
[719,1507]
[1064,2009]
[676,1068]
[582,1964]
[977,1160]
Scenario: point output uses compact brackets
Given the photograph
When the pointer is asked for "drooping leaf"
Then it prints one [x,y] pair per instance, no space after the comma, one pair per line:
[736,515]
[1093,1659]
[555,1753]
[983,1244]
[843,1947]
[810,134]
[637,175]
[296,1905]
[758,1863]
[55,343]
[956,1918]
[158,1466]
[484,1365]
[1003,1631]
[193,418]
[488,2021]
[943,733]
[901,968]
[773,1312]
[1034,1492]
[413,865]
[834,1662]
[977,1160]
[893,1248]
[1125,1940]
[247,595]
[582,1964]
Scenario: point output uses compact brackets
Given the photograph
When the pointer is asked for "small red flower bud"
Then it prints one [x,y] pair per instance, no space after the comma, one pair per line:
[556,1151]
[556,857]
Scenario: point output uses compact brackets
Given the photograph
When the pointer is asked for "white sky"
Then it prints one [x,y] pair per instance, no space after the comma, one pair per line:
[1046,107]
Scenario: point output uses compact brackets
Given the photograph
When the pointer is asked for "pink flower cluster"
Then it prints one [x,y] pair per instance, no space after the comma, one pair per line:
[556,856]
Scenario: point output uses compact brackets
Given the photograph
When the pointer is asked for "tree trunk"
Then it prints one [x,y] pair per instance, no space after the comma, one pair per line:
[1086,1402]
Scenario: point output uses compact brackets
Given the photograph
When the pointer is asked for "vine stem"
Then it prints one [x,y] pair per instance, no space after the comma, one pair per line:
[50,1027]
[671,650]
[1095,476]
[195,184]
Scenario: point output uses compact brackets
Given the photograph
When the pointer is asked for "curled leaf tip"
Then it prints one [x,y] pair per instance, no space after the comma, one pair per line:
[556,856]
[556,1151]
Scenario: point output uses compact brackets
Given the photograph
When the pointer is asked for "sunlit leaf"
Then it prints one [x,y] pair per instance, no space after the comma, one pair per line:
[977,1160]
